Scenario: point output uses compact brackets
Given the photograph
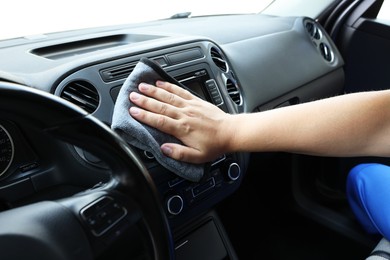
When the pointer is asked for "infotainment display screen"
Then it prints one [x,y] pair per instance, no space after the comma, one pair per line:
[195,81]
[196,87]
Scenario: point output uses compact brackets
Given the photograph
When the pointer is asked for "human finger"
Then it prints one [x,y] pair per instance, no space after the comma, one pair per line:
[161,95]
[153,105]
[175,89]
[184,153]
[163,123]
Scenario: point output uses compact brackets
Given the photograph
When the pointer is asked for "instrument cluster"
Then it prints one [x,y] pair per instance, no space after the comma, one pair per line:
[7,150]
[17,158]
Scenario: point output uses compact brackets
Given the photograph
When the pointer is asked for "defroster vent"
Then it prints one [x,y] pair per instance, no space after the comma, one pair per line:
[82,94]
[117,72]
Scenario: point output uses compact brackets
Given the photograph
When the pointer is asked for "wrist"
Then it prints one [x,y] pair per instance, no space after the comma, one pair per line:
[229,133]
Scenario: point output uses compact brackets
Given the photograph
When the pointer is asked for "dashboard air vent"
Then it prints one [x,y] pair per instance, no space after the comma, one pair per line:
[233,92]
[313,30]
[319,39]
[117,72]
[218,59]
[82,94]
[326,52]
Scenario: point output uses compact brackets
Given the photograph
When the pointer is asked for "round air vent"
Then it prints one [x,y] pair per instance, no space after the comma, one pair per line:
[313,30]
[233,91]
[82,94]
[319,39]
[219,59]
[326,52]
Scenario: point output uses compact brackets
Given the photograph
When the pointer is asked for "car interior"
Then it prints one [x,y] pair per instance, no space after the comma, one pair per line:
[72,188]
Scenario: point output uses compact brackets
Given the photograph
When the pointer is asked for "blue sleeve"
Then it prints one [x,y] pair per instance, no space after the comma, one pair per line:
[368,193]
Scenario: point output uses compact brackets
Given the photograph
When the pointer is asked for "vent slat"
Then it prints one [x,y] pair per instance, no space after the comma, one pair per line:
[79,101]
[218,59]
[72,92]
[117,72]
[233,92]
[82,94]
[121,72]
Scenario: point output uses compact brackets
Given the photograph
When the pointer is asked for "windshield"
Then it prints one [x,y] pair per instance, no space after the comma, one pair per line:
[34,17]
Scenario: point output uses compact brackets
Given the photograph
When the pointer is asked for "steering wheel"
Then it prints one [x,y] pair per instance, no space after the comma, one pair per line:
[90,223]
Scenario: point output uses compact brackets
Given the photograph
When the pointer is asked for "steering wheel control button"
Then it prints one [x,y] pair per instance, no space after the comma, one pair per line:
[175,205]
[102,215]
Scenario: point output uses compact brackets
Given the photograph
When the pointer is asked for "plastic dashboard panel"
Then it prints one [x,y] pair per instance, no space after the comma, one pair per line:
[193,64]
[275,61]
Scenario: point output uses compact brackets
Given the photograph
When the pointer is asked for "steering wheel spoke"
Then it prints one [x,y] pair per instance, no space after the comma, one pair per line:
[105,215]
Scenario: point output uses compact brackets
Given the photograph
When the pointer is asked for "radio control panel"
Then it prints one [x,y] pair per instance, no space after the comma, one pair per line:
[182,199]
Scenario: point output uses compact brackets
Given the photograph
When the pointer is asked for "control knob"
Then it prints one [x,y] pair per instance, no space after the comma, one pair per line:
[232,170]
[175,204]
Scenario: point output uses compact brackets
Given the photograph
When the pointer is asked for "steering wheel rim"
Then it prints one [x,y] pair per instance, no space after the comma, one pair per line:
[130,178]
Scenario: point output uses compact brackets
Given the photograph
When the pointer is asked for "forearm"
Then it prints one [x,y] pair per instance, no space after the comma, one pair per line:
[349,125]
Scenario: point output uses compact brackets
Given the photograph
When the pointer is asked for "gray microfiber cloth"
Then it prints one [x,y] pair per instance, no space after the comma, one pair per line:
[141,135]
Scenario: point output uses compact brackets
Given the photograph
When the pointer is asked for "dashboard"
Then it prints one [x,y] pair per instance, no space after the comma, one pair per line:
[275,62]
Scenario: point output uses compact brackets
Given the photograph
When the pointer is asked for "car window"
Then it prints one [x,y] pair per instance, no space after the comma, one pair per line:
[384,12]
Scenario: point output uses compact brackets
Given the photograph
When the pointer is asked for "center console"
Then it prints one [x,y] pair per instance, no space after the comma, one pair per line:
[184,199]
[202,68]
[198,232]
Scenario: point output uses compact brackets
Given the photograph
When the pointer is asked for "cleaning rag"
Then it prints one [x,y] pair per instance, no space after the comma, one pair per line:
[141,135]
